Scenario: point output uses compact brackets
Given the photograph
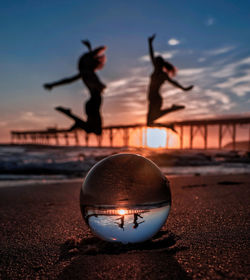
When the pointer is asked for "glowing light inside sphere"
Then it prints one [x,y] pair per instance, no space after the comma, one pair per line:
[125,198]
[121,212]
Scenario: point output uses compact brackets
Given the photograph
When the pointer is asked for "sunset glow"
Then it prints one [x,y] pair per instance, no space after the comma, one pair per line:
[156,137]
[217,66]
[121,212]
[172,140]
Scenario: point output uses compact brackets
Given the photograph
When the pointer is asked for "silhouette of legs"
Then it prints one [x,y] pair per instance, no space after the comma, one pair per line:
[121,225]
[79,123]
[136,224]
[93,123]
[156,113]
[170,126]
[92,110]
[173,108]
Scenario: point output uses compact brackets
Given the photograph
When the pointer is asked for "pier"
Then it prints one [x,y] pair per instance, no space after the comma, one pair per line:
[226,127]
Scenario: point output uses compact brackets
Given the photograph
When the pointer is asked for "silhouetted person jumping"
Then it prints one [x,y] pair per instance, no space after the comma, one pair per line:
[121,224]
[88,64]
[163,71]
[136,224]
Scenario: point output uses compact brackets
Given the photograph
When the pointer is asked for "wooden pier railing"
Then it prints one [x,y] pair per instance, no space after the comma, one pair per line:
[226,125]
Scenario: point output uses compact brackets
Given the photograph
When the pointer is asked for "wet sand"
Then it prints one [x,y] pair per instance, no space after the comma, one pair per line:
[206,236]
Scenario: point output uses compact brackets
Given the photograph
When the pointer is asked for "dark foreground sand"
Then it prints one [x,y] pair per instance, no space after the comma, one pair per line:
[206,236]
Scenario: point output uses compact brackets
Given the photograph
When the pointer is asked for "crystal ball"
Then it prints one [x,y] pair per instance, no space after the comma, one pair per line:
[125,198]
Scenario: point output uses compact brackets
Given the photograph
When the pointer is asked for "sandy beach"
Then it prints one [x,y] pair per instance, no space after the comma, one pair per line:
[43,235]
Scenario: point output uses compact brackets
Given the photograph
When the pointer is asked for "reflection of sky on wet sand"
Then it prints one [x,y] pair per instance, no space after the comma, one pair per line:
[129,228]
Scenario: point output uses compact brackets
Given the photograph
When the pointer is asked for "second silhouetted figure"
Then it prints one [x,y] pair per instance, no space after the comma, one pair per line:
[163,71]
[88,64]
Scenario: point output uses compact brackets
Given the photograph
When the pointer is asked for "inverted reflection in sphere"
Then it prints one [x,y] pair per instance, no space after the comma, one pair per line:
[125,198]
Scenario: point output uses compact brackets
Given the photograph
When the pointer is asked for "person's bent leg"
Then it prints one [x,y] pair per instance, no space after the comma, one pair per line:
[171,109]
[67,112]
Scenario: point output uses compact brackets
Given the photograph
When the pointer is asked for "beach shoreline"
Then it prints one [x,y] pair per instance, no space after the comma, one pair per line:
[43,235]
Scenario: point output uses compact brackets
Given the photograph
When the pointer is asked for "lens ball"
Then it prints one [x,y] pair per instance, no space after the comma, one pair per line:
[125,198]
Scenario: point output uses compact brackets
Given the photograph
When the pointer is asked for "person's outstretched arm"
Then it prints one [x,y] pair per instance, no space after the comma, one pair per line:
[49,86]
[176,84]
[87,44]
[151,50]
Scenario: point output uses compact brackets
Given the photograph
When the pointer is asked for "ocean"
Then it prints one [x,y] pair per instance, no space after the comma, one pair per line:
[28,164]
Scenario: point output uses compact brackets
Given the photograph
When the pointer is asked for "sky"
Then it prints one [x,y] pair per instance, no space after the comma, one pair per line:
[208,41]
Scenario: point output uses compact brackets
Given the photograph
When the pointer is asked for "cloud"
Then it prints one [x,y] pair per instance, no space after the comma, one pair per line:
[3,123]
[236,78]
[127,98]
[224,71]
[34,118]
[241,90]
[219,96]
[201,59]
[167,92]
[118,83]
[168,55]
[165,55]
[173,42]
[245,60]
[220,50]
[231,82]
[210,21]
[29,121]
[218,87]
[191,71]
[231,69]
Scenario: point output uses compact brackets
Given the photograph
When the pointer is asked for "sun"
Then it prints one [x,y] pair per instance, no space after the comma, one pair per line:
[156,137]
[121,212]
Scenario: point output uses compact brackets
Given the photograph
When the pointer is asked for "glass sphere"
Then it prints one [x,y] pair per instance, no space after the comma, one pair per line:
[125,198]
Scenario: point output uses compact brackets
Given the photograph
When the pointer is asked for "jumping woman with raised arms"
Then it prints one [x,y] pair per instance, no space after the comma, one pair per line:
[88,64]
[163,71]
